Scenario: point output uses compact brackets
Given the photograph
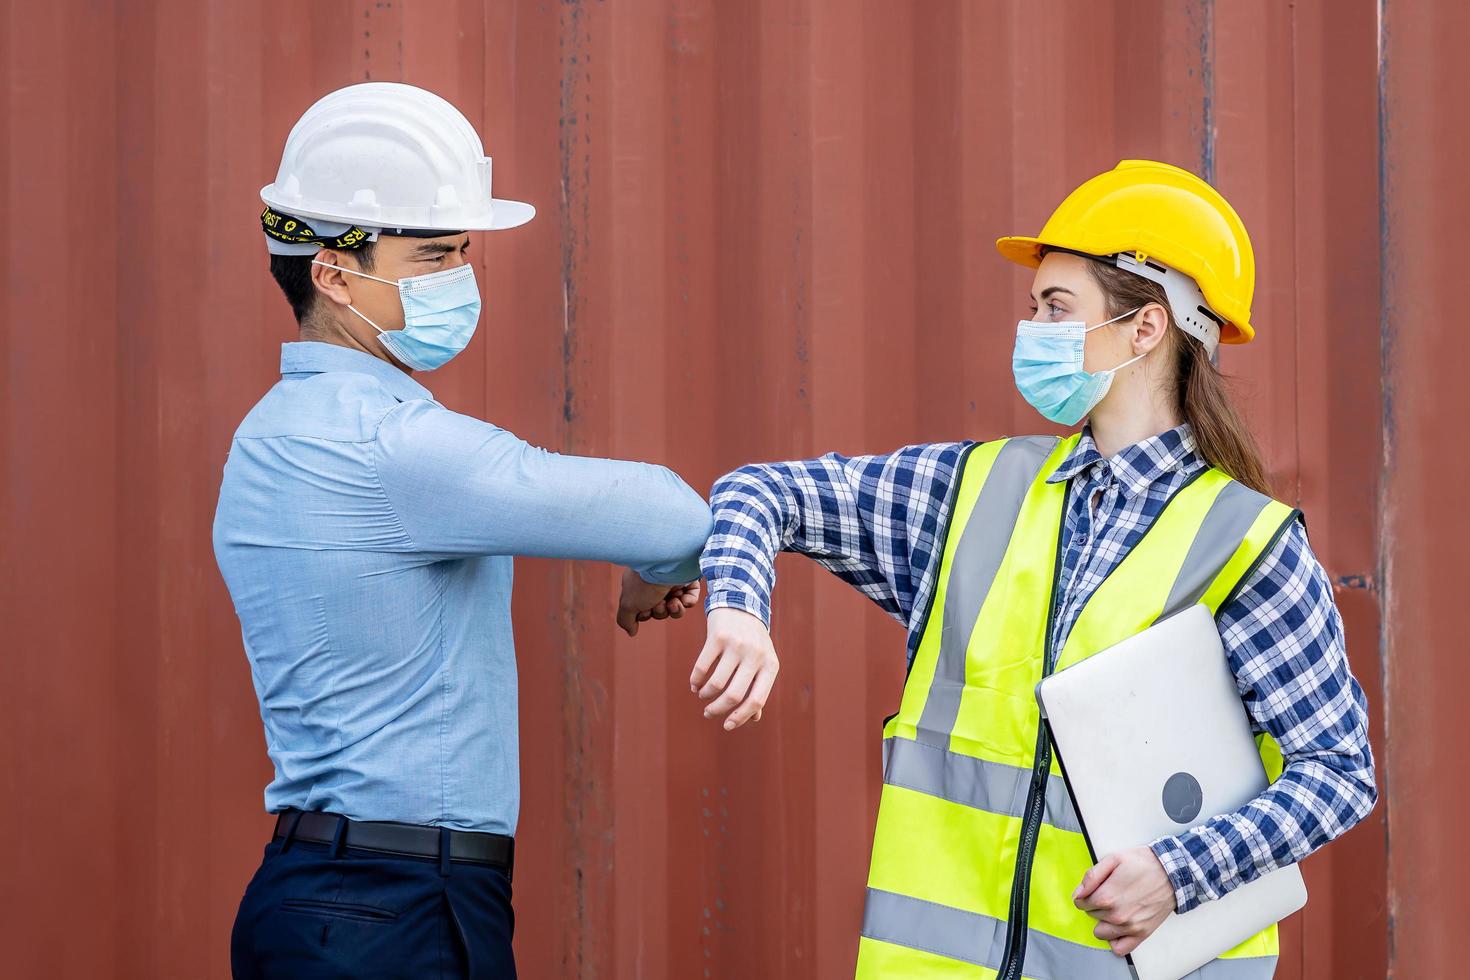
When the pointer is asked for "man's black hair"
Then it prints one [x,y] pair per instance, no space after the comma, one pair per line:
[293,274]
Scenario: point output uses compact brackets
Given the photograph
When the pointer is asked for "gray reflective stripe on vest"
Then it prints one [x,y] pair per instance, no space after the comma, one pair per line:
[976,559]
[1230,517]
[980,940]
[990,786]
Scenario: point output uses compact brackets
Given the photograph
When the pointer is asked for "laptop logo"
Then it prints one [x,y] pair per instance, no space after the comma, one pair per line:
[1183,798]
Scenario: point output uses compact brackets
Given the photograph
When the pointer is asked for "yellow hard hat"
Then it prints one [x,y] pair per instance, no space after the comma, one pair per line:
[1144,210]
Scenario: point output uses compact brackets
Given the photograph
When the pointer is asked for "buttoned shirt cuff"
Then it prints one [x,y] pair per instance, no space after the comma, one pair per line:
[734,596]
[1176,861]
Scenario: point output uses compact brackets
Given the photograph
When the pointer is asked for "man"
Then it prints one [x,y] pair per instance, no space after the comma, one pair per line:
[365,533]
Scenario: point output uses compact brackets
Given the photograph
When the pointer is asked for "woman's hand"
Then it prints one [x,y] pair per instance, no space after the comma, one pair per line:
[1129,893]
[738,660]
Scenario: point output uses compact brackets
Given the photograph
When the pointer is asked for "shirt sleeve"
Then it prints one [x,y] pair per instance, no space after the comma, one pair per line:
[1284,638]
[874,521]
[461,486]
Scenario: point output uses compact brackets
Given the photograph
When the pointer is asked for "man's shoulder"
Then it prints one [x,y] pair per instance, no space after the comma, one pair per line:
[336,406]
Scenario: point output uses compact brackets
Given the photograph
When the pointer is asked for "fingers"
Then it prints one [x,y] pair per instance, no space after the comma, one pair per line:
[735,691]
[736,668]
[752,707]
[704,663]
[1117,926]
[721,676]
[1100,904]
[1094,878]
[628,619]
[1126,945]
[690,596]
[719,679]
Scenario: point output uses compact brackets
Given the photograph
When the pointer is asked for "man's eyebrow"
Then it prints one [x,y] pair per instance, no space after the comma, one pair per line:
[434,248]
[1050,291]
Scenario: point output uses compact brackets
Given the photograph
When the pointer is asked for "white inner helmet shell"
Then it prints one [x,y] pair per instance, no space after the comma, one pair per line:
[1186,302]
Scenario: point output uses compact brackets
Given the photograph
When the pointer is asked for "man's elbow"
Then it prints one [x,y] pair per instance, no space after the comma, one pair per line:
[688,517]
[697,523]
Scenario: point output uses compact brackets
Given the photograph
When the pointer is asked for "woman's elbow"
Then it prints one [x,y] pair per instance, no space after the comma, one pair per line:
[1368,784]
[742,478]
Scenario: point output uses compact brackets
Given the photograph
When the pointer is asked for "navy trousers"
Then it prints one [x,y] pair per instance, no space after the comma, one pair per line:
[310,915]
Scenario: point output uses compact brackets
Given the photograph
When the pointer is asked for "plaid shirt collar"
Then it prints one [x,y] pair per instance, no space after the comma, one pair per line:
[1139,466]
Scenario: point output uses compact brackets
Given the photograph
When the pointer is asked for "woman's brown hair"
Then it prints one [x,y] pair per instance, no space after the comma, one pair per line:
[1223,439]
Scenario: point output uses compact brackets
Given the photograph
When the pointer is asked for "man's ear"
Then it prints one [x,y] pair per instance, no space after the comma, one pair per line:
[1149,328]
[329,281]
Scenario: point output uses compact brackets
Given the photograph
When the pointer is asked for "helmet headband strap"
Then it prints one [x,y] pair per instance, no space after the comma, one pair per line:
[1186,302]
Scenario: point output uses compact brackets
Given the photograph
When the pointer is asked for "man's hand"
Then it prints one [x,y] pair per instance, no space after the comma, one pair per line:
[738,660]
[1129,893]
[642,601]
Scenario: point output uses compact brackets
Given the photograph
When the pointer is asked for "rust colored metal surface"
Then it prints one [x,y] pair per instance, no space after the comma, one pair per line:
[1426,209]
[765,231]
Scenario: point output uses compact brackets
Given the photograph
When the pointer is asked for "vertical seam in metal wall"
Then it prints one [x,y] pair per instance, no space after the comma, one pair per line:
[1296,311]
[575,219]
[1386,422]
[1207,78]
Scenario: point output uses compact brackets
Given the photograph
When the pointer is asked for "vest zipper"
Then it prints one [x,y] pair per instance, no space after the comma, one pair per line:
[1015,954]
[1016,923]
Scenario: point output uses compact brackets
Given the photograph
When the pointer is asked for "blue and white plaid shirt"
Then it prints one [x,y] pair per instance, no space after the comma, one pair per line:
[878,523]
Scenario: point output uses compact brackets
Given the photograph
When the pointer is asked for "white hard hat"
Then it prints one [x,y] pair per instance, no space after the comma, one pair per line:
[385,156]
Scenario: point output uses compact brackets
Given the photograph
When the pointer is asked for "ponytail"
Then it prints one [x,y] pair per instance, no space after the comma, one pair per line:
[1222,437]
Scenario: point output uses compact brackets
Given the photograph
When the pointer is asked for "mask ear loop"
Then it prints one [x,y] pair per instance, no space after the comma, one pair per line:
[390,282]
[1122,316]
[1095,326]
[353,272]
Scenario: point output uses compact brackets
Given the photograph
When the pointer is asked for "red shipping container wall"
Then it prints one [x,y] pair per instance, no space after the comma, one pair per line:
[765,231]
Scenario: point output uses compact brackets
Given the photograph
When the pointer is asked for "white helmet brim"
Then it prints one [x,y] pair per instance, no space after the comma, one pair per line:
[498,216]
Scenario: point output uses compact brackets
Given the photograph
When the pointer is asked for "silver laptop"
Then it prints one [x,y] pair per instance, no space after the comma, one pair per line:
[1153,739]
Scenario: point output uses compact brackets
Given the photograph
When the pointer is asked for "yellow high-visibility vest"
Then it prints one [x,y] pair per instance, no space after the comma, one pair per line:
[978,848]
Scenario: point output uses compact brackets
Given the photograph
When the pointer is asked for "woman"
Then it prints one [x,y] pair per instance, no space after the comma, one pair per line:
[991,555]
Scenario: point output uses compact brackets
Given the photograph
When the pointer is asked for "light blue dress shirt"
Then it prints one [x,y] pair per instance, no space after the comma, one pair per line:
[365,534]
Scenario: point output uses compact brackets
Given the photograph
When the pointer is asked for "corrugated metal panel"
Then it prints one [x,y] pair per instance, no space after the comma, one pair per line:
[1426,209]
[765,232]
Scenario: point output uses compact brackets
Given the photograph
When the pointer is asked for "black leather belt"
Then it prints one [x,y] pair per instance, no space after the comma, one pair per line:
[404,839]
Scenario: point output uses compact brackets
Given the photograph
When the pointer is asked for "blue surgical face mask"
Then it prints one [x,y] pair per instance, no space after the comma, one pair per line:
[440,311]
[1049,373]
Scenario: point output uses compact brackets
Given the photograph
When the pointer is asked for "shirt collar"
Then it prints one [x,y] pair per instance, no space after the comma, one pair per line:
[1139,466]
[314,357]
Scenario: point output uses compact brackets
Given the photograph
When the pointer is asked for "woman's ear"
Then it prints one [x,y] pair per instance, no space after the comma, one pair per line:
[1149,328]
[329,280]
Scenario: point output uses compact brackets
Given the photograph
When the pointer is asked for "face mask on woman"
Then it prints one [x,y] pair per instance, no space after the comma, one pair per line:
[1048,367]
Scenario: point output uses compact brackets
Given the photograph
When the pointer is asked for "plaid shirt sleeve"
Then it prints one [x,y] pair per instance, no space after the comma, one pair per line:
[1284,638]
[874,521]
